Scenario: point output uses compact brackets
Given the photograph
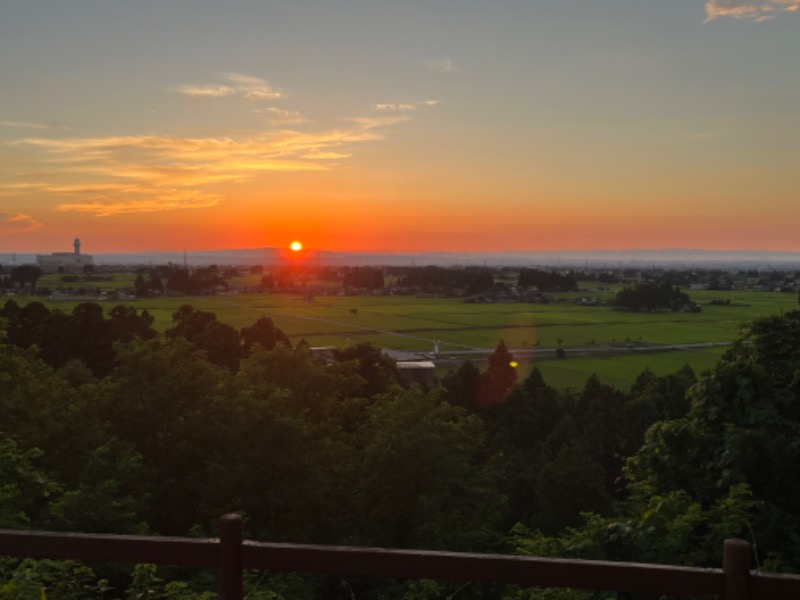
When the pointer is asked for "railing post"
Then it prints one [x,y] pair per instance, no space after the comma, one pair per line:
[230,565]
[736,566]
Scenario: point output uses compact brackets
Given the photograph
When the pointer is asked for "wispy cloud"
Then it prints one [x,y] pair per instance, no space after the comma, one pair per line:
[253,88]
[156,200]
[751,10]
[21,186]
[444,64]
[236,84]
[108,175]
[112,175]
[393,106]
[404,107]
[29,125]
[327,155]
[279,116]
[377,122]
[14,223]
[206,91]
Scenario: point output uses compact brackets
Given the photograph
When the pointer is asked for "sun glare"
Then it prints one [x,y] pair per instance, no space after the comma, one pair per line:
[296,246]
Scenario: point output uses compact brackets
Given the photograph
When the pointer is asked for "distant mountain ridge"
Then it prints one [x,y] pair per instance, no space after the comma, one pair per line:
[554,258]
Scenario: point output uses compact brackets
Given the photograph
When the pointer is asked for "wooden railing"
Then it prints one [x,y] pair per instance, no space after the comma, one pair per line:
[231,554]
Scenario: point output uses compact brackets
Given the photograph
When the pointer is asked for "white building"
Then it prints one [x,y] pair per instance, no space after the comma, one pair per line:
[421,372]
[65,262]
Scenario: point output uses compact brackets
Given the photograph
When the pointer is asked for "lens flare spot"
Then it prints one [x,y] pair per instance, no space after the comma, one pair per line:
[514,364]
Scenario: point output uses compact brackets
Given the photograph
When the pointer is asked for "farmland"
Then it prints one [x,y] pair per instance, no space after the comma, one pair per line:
[615,345]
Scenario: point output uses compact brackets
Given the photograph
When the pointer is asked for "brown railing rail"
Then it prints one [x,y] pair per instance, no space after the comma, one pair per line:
[231,554]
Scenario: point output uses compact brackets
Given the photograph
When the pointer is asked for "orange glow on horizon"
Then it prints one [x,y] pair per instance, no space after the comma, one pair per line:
[332,221]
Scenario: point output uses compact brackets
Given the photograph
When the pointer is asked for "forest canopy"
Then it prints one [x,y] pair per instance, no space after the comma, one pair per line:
[108,426]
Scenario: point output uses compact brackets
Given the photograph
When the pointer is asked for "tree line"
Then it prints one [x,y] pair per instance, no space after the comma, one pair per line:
[651,296]
[548,281]
[431,278]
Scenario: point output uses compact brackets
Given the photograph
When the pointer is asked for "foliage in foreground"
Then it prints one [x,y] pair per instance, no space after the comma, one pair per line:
[167,440]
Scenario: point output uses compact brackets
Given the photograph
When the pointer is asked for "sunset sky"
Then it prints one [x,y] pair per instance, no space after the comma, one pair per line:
[399,126]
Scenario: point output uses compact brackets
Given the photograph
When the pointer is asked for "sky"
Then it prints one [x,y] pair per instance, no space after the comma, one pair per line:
[399,126]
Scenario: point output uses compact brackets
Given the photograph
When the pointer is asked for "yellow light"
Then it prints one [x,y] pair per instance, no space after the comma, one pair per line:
[296,246]
[514,364]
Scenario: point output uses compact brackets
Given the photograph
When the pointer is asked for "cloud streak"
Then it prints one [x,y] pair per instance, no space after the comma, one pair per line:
[750,10]
[109,175]
[145,201]
[237,85]
[15,223]
[403,107]
[444,64]
[28,125]
[279,116]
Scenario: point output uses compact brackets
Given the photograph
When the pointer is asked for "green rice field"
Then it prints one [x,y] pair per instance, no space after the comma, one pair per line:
[597,339]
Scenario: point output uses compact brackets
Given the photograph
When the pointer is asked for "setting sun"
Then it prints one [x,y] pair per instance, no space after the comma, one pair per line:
[296,246]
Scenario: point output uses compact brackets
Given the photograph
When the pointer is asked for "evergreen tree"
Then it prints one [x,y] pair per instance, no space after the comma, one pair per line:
[499,378]
[461,386]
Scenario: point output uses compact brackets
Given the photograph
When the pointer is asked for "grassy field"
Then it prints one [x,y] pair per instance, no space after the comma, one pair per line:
[413,324]
[621,371]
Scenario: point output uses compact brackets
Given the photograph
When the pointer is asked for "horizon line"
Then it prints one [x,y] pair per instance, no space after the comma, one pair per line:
[429,252]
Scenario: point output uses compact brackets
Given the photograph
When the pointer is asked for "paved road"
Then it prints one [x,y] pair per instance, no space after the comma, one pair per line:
[549,353]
